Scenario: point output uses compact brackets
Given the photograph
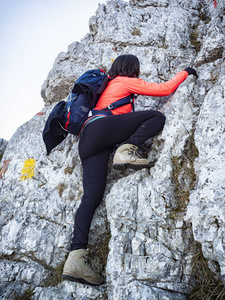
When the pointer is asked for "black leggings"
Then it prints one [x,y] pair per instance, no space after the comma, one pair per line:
[96,144]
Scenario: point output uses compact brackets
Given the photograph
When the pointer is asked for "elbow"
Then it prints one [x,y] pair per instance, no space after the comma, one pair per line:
[170,92]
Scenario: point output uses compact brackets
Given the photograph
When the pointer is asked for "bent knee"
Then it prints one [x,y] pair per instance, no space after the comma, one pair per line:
[161,117]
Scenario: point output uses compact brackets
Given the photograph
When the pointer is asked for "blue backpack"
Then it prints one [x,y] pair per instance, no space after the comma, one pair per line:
[84,97]
[69,117]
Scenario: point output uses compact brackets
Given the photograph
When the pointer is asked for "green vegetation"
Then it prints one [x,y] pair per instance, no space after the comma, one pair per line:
[56,276]
[136,31]
[102,251]
[206,284]
[61,187]
[68,170]
[183,175]
[194,41]
[203,15]
[27,295]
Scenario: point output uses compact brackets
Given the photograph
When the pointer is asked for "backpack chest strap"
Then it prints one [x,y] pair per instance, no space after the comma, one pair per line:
[124,101]
[127,100]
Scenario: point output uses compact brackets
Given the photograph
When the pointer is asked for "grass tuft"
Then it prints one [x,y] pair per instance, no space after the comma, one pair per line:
[207,285]
[136,31]
[61,187]
[183,175]
[56,276]
[195,41]
[68,170]
[100,254]
[27,295]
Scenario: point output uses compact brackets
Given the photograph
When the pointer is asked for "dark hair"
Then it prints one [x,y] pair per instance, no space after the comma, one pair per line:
[125,65]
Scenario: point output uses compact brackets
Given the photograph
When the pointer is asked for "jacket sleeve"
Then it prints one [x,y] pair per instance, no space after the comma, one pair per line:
[141,87]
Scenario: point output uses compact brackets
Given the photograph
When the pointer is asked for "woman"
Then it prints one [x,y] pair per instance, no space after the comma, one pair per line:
[98,137]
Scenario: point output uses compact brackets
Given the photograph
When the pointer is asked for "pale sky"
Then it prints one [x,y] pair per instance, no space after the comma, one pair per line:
[32,34]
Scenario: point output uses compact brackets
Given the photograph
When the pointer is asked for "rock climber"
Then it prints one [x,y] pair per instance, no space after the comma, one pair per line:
[99,136]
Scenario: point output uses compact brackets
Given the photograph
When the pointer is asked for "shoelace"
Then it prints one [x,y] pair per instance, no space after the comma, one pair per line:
[90,262]
[134,152]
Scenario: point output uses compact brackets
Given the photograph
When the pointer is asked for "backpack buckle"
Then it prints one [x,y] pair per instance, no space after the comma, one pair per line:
[110,106]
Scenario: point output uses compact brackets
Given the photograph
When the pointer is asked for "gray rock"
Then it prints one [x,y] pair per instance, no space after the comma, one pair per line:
[205,210]
[155,219]
[3,145]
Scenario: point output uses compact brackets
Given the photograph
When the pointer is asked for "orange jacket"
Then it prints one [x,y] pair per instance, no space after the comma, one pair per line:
[122,86]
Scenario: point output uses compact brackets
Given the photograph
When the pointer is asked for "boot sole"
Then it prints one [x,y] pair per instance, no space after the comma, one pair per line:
[79,280]
[133,166]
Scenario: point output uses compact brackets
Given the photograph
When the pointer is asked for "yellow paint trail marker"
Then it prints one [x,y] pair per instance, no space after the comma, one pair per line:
[28,169]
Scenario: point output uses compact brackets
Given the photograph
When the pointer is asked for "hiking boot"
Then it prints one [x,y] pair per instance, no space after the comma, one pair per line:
[127,154]
[78,269]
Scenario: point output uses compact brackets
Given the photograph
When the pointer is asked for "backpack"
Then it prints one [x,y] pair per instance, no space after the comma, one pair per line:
[69,116]
[84,97]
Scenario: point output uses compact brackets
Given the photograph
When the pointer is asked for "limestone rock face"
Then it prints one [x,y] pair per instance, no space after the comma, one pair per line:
[156,221]
[3,144]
